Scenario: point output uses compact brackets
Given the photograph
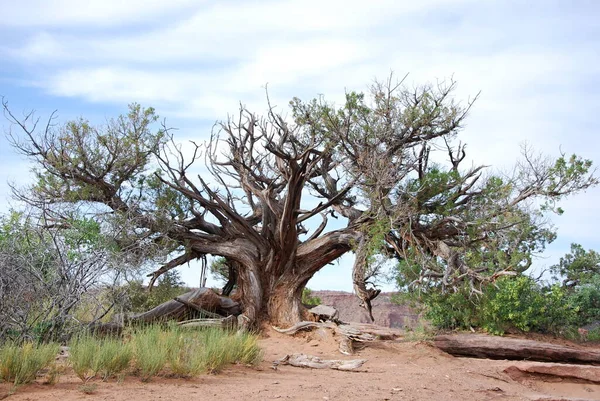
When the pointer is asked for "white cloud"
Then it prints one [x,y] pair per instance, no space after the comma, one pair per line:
[66,13]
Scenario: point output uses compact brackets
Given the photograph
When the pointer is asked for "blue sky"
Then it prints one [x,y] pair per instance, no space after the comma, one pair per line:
[536,63]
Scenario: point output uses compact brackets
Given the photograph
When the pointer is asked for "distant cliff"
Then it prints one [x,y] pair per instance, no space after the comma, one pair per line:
[385,312]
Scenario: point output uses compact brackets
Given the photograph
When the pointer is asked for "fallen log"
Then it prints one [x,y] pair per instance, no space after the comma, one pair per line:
[313,362]
[484,346]
[204,299]
[203,312]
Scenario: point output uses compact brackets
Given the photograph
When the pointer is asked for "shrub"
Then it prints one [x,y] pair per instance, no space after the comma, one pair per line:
[20,364]
[90,356]
[210,350]
[246,349]
[586,298]
[594,334]
[168,287]
[151,350]
[220,348]
[509,303]
[112,358]
[308,299]
[82,353]
[451,311]
[522,304]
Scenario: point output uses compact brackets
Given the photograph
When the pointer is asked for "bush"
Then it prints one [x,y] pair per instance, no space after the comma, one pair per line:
[450,311]
[510,303]
[520,303]
[112,358]
[20,364]
[594,334]
[308,299]
[586,298]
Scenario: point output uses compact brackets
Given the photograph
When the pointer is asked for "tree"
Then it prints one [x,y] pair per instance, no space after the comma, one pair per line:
[367,161]
[578,267]
[44,274]
[580,272]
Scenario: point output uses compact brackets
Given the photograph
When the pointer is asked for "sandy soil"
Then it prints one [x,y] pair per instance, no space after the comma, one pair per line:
[393,371]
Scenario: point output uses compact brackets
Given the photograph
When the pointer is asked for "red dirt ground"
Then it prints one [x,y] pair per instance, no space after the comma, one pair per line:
[393,371]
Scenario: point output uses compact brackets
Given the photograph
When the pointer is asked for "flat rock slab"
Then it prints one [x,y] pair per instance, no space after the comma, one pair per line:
[492,347]
[562,370]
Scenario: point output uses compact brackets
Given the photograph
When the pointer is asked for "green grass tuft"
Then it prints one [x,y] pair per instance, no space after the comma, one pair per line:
[20,364]
[90,357]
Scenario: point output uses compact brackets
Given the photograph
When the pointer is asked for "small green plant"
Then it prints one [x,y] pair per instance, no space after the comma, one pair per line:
[88,388]
[594,334]
[20,364]
[185,356]
[418,333]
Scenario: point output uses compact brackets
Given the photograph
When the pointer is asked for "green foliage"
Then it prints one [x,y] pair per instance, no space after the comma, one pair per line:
[450,310]
[140,299]
[219,269]
[522,304]
[594,335]
[511,303]
[219,348]
[115,154]
[578,267]
[308,299]
[20,364]
[586,298]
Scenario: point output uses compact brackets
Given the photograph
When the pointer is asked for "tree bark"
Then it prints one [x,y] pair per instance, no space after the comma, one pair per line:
[270,289]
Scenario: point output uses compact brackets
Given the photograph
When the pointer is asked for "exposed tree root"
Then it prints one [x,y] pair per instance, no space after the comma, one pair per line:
[350,333]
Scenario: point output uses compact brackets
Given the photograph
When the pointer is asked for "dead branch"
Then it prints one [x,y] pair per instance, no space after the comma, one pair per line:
[313,362]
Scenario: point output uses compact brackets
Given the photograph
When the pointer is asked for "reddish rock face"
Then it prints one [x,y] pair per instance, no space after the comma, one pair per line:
[385,312]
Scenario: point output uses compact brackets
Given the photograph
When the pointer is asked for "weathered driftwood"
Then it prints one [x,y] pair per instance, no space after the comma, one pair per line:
[313,362]
[524,370]
[350,333]
[356,331]
[484,346]
[229,322]
[204,299]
